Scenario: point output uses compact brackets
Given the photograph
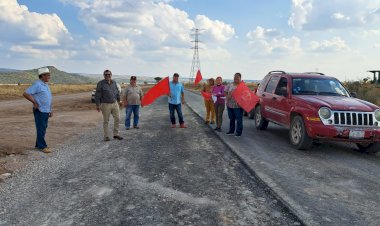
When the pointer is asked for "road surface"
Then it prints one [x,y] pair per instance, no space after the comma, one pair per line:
[331,184]
[155,176]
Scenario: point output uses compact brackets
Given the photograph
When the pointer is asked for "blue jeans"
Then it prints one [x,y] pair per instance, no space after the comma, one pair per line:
[41,121]
[178,108]
[236,114]
[128,110]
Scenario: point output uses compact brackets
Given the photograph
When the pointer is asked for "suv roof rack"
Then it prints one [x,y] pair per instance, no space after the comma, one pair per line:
[282,72]
[318,73]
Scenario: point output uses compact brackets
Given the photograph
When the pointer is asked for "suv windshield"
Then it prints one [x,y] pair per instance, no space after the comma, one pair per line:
[318,86]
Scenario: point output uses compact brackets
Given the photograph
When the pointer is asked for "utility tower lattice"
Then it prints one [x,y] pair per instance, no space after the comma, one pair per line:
[196,64]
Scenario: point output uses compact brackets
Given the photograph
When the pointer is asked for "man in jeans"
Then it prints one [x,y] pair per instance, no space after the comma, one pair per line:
[40,95]
[176,98]
[107,99]
[132,100]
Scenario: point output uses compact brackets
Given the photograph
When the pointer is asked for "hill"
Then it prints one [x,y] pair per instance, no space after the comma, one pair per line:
[29,76]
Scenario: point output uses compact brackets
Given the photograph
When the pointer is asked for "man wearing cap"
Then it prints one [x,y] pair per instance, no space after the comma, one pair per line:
[107,99]
[40,95]
[175,99]
[132,99]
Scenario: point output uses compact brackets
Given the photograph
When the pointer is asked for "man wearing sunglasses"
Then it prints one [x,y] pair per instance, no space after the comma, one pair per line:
[107,99]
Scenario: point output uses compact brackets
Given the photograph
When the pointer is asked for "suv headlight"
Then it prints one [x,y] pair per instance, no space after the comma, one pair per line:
[324,112]
[377,114]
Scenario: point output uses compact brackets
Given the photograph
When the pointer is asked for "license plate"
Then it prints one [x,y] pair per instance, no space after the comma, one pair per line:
[356,134]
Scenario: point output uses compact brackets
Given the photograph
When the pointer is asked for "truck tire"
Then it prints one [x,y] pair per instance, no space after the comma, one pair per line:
[369,147]
[298,134]
[260,122]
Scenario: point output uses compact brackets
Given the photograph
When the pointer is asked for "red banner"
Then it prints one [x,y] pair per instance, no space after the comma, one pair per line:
[161,88]
[245,97]
[206,95]
[198,78]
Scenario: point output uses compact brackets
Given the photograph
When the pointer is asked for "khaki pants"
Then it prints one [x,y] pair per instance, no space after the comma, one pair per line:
[107,110]
[210,111]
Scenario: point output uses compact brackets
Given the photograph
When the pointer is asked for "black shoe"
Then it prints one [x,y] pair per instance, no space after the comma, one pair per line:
[117,137]
[219,130]
[230,133]
[237,135]
[216,128]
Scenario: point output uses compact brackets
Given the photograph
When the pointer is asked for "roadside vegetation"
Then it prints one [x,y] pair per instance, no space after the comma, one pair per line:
[365,90]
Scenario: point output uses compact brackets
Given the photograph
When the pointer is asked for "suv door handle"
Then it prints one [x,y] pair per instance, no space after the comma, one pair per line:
[274,98]
[263,95]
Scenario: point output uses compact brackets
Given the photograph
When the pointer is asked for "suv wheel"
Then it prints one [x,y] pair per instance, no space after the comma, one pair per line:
[369,147]
[260,122]
[298,135]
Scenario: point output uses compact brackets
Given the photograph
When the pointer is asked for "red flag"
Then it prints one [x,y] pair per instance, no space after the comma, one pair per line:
[198,78]
[206,95]
[245,97]
[161,88]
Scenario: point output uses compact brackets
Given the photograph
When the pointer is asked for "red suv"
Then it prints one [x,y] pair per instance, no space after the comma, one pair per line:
[316,107]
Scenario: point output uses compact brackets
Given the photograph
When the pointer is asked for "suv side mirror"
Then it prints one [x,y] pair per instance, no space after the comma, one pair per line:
[354,94]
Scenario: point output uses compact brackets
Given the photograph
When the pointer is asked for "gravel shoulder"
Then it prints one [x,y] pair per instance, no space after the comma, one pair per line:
[74,114]
[155,176]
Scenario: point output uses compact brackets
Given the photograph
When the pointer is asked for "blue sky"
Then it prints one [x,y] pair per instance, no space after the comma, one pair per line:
[152,37]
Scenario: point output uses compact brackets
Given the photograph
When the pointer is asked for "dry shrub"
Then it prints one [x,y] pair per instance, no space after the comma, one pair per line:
[366,91]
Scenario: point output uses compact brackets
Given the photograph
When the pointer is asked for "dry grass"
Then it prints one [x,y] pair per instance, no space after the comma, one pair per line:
[16,91]
[366,91]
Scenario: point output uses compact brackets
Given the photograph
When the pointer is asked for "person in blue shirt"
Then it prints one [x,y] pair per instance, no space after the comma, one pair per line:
[176,98]
[40,95]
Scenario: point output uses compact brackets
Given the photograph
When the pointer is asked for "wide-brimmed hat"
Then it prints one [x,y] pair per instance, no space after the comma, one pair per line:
[43,70]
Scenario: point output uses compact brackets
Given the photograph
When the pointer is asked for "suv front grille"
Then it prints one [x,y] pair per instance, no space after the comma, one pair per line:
[353,118]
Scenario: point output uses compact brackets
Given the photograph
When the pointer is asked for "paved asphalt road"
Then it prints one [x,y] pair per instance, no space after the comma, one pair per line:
[331,184]
[155,176]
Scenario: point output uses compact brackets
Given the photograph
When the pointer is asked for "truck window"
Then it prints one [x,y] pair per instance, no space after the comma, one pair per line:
[271,84]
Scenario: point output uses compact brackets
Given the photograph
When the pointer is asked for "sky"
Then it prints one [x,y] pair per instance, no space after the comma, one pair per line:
[340,38]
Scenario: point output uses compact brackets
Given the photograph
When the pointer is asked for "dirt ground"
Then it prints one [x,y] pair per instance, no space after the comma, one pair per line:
[74,114]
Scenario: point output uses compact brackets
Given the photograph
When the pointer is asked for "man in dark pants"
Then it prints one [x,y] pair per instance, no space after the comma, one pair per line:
[40,95]
[176,99]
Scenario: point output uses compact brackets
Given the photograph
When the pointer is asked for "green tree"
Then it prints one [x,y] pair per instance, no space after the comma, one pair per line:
[157,79]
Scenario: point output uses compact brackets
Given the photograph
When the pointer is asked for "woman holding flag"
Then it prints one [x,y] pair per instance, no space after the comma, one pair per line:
[209,104]
[235,112]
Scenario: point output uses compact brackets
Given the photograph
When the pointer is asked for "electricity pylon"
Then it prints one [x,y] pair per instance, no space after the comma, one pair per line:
[196,64]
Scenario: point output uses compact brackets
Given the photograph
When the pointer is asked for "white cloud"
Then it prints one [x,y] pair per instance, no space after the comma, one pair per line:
[109,48]
[336,44]
[334,14]
[269,41]
[30,51]
[147,24]
[23,26]
[340,16]
[301,10]
[214,30]
[261,33]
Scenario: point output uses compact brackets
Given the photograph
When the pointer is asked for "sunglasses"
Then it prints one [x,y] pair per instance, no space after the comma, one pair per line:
[107,74]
